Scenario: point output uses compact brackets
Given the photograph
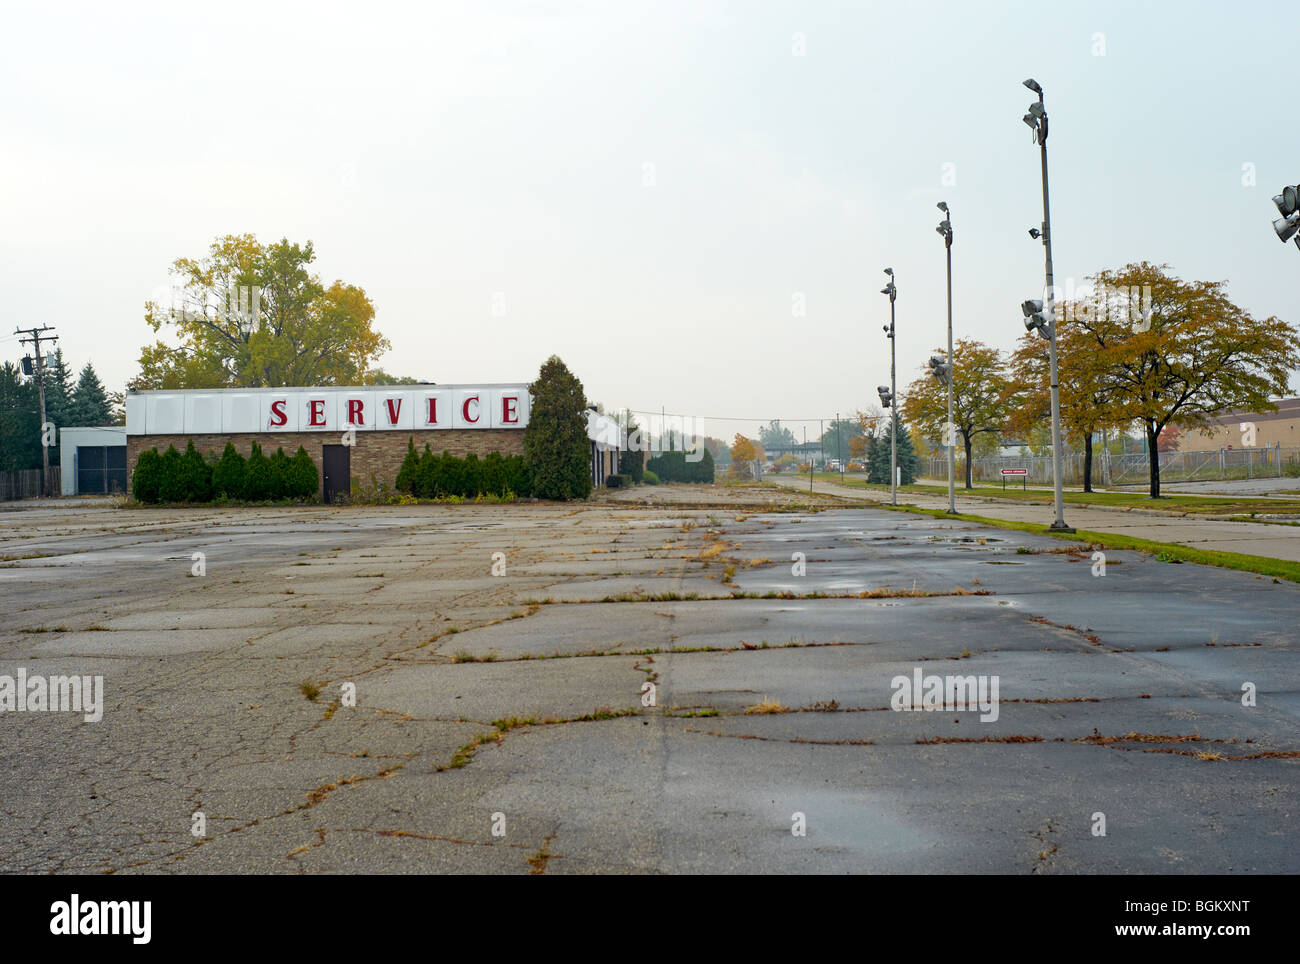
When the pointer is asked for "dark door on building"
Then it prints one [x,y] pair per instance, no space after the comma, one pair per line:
[338,470]
[101,469]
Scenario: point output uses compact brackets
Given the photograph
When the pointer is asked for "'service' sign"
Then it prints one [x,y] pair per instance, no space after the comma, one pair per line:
[365,409]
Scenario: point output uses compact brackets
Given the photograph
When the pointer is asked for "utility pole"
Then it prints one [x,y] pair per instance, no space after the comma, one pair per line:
[39,372]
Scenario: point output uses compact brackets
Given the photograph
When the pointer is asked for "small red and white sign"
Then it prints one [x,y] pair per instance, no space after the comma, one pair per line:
[1014,472]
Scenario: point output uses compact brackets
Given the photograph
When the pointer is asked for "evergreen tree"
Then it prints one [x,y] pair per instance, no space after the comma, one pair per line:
[878,459]
[908,463]
[58,400]
[704,468]
[877,456]
[90,403]
[58,393]
[20,430]
[555,442]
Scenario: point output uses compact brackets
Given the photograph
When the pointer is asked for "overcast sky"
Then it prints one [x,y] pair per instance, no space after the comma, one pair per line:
[644,188]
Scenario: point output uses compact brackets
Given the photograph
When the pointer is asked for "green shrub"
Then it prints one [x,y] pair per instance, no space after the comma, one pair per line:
[704,468]
[616,481]
[169,478]
[146,477]
[424,470]
[649,478]
[195,476]
[519,476]
[471,477]
[407,474]
[229,474]
[445,476]
[304,476]
[492,478]
[631,462]
[257,478]
[280,487]
[676,467]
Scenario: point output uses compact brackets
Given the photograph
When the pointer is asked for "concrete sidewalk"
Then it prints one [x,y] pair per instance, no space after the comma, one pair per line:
[1250,538]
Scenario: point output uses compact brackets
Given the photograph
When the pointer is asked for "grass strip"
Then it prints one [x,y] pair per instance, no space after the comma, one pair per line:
[1164,551]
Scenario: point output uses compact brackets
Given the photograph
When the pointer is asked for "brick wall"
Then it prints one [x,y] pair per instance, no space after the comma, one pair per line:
[377,454]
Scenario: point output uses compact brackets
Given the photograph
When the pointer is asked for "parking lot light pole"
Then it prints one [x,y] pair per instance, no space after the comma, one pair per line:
[890,401]
[945,229]
[1037,121]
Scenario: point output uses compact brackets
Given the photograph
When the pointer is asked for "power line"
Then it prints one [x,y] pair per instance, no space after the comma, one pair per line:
[721,418]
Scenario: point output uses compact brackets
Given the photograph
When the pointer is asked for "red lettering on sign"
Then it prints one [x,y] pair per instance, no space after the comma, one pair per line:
[433,411]
[393,409]
[354,412]
[464,409]
[316,412]
[509,409]
[278,414]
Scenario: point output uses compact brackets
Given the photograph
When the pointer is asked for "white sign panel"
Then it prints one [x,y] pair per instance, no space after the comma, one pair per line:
[391,409]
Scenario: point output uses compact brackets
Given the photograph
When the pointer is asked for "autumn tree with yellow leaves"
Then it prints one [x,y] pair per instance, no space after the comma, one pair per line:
[982,397]
[743,452]
[253,315]
[1187,354]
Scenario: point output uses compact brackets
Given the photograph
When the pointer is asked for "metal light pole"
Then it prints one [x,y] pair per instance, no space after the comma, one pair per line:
[1037,121]
[945,228]
[891,403]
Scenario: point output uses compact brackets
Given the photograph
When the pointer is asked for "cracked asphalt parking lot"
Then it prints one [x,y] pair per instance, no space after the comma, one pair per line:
[520,695]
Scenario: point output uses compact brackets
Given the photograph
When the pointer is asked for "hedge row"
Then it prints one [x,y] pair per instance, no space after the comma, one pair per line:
[428,476]
[173,477]
[673,467]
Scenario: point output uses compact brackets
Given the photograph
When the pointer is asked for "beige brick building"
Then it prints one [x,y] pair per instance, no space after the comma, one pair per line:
[355,435]
[1270,429]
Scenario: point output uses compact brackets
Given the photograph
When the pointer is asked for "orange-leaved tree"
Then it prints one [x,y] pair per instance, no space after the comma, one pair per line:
[1188,354]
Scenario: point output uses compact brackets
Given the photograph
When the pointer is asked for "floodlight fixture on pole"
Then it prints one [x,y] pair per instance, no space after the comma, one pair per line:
[1041,317]
[1036,317]
[1288,205]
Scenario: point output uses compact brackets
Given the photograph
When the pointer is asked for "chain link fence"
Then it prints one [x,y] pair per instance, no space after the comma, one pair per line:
[1219,465]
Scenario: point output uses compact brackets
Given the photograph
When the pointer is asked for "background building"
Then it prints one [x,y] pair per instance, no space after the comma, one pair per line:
[1225,432]
[349,432]
[92,461]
